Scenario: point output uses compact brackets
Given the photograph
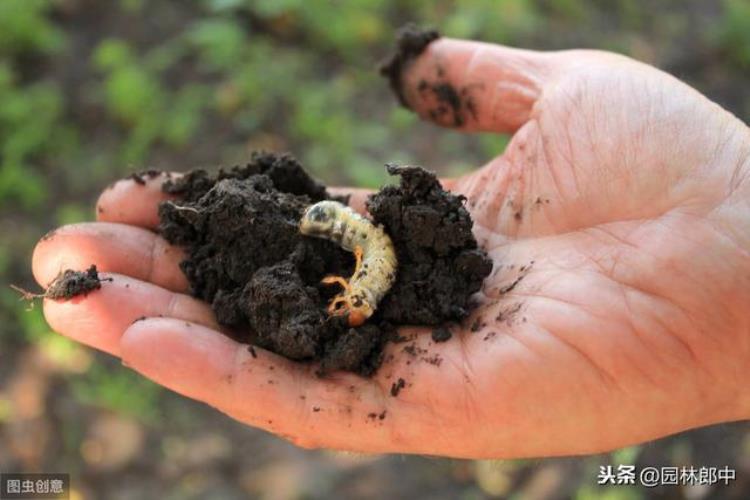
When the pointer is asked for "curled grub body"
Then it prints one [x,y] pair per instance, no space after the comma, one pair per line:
[376,262]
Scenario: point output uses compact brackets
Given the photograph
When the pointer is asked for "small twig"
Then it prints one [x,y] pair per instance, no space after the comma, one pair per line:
[182,207]
[28,296]
[66,285]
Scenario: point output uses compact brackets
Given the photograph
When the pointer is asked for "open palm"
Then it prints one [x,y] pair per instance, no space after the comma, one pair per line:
[618,309]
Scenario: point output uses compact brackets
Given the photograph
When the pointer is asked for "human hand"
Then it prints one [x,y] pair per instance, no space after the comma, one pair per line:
[627,189]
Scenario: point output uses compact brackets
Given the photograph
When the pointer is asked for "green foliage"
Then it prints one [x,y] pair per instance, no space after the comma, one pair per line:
[11,309]
[25,27]
[70,213]
[5,258]
[734,32]
[132,94]
[136,97]
[571,10]
[29,117]
[627,455]
[220,43]
[132,6]
[346,27]
[490,20]
[34,325]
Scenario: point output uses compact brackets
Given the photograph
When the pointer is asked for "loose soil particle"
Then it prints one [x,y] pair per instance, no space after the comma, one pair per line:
[441,334]
[246,257]
[397,386]
[143,176]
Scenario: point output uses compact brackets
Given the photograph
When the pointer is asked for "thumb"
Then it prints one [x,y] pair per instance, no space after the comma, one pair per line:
[476,86]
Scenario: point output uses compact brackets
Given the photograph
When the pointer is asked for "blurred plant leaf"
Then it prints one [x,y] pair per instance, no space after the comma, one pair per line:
[220,42]
[25,27]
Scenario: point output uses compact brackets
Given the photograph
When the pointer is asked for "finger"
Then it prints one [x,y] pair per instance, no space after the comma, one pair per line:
[477,86]
[340,411]
[134,202]
[99,318]
[259,388]
[116,248]
[357,196]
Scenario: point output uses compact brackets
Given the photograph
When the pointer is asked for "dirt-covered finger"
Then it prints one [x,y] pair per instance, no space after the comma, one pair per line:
[100,317]
[474,85]
[116,248]
[356,196]
[135,199]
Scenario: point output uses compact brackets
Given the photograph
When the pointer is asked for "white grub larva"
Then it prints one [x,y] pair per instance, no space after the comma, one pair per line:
[375,269]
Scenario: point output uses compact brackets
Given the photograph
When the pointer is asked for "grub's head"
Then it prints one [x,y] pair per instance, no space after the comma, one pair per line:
[319,219]
[352,307]
[356,318]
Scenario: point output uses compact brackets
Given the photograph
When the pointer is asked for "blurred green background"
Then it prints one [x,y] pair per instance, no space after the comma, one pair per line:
[91,91]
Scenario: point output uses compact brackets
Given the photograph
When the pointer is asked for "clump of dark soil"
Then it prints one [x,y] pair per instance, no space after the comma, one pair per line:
[246,257]
[68,284]
[411,40]
[440,265]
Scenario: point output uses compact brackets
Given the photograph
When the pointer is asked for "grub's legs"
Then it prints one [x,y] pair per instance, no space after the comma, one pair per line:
[357,259]
[336,280]
[341,281]
[335,306]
